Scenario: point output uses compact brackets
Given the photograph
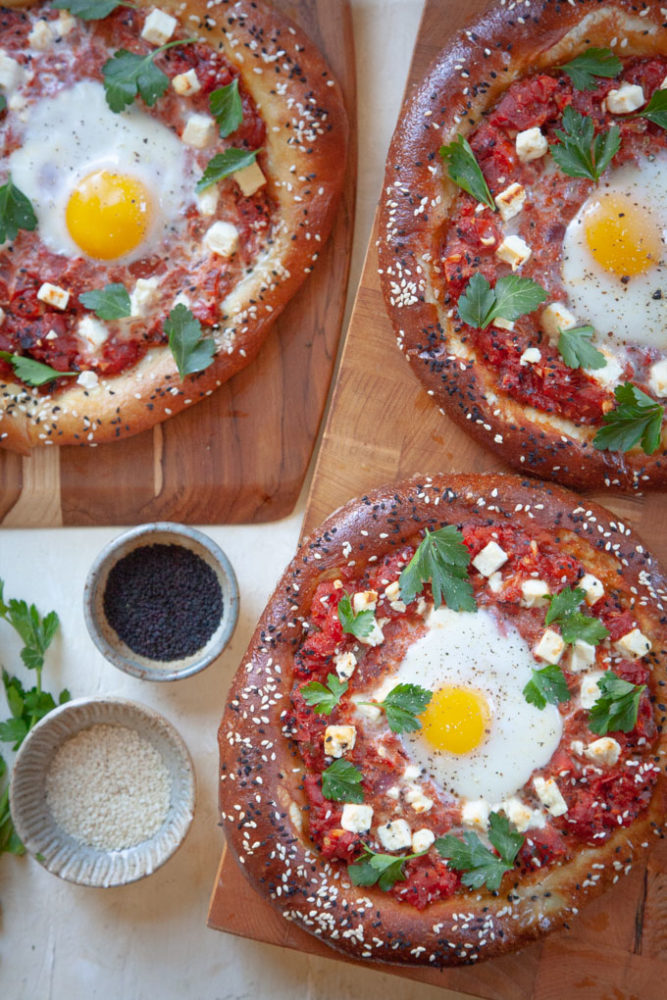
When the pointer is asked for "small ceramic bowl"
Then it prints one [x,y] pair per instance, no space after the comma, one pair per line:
[116,649]
[71,856]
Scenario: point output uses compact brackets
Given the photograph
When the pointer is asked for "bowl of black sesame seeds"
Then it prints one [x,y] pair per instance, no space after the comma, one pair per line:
[161,601]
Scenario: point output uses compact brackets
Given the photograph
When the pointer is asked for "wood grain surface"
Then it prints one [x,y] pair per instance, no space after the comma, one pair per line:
[382,426]
[241,455]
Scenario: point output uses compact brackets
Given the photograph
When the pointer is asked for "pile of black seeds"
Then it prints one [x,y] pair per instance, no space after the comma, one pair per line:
[163,601]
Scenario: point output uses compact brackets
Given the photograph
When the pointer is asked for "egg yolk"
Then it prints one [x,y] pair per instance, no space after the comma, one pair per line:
[107,214]
[622,236]
[455,719]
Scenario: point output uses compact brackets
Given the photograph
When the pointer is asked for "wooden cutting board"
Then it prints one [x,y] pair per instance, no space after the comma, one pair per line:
[382,426]
[241,455]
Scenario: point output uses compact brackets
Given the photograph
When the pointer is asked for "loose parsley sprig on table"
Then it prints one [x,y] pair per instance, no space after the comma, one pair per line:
[110,302]
[464,170]
[636,419]
[324,699]
[443,559]
[128,74]
[594,62]
[90,10]
[511,297]
[581,153]
[617,707]
[656,109]
[33,373]
[385,870]
[16,212]
[574,624]
[576,349]
[480,865]
[192,352]
[341,782]
[226,107]
[357,623]
[547,685]
[225,164]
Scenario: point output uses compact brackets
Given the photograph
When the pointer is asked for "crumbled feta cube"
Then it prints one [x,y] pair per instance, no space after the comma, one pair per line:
[606,750]
[475,813]
[530,356]
[513,250]
[393,792]
[627,98]
[411,772]
[657,378]
[250,179]
[369,712]
[375,637]
[495,583]
[393,591]
[511,201]
[199,131]
[63,24]
[41,36]
[491,558]
[555,317]
[530,144]
[87,380]
[12,74]
[143,295]
[549,794]
[633,644]
[610,373]
[589,692]
[339,739]
[503,324]
[550,647]
[395,836]
[158,27]
[582,656]
[578,747]
[364,600]
[356,818]
[51,335]
[222,239]
[186,84]
[422,840]
[53,295]
[93,331]
[207,200]
[414,796]
[534,593]
[592,588]
[521,815]
[345,664]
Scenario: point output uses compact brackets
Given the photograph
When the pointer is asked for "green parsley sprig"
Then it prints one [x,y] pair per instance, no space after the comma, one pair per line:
[402,706]
[357,623]
[16,212]
[192,352]
[441,559]
[33,373]
[324,699]
[90,10]
[226,107]
[574,624]
[511,297]
[3,102]
[480,865]
[576,349]
[383,870]
[465,171]
[128,74]
[547,685]
[110,302]
[656,109]
[581,153]
[617,707]
[636,419]
[594,62]
[341,782]
[225,164]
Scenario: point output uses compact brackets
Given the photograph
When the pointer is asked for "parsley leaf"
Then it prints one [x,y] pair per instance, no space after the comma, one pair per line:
[32,372]
[576,349]
[574,624]
[192,352]
[512,297]
[465,171]
[359,624]
[480,865]
[581,153]
[3,102]
[384,869]
[225,164]
[324,699]
[127,74]
[584,68]
[90,10]
[16,212]
[636,419]
[617,706]
[341,782]
[443,559]
[547,684]
[563,604]
[110,302]
[402,706]
[656,109]
[226,107]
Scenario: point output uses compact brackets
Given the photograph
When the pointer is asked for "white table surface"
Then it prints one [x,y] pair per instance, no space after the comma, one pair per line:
[149,940]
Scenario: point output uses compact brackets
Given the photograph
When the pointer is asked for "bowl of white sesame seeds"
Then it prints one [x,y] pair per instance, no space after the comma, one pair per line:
[102,791]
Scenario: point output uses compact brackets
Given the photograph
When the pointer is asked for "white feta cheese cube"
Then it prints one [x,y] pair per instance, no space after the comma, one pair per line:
[356,818]
[207,200]
[589,692]
[550,647]
[556,317]
[549,794]
[364,600]
[633,644]
[414,796]
[476,814]
[511,201]
[250,179]
[393,591]
[199,131]
[530,356]
[53,295]
[657,378]
[158,27]
[411,772]
[393,792]
[422,840]
[186,84]
[610,373]
[495,583]
[534,593]
[513,250]
[41,37]
[143,295]
[87,380]
[12,74]
[222,239]
[92,331]
[395,836]
[582,656]
[530,144]
[345,664]
[605,751]
[592,588]
[339,739]
[63,24]
[490,558]
[578,747]
[627,98]
[521,815]
[503,324]
[375,637]
[51,335]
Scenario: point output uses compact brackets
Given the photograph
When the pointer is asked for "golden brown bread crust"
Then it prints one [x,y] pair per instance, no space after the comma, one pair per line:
[261,792]
[508,42]
[304,160]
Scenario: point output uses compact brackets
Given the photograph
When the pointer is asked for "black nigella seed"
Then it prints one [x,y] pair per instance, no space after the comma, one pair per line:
[163,601]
